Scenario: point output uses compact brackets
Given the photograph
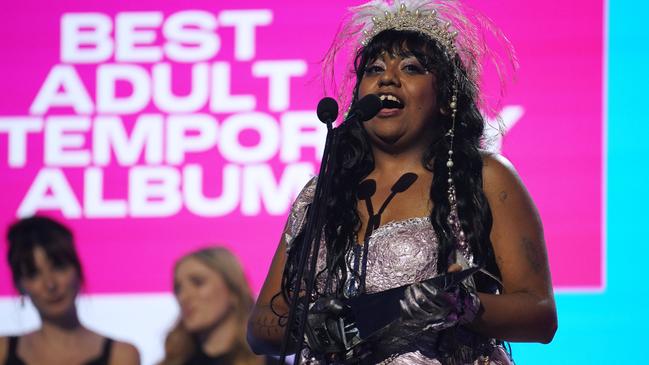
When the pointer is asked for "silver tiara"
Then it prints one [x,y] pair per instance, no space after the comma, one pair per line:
[458,29]
[420,20]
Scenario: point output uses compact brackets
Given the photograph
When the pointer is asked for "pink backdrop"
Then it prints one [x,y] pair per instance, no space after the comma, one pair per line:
[147,207]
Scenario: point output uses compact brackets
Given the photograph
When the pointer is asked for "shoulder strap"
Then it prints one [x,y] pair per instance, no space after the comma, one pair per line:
[12,354]
[105,353]
[108,346]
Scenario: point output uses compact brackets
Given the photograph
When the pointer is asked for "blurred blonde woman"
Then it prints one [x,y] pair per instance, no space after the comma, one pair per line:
[215,301]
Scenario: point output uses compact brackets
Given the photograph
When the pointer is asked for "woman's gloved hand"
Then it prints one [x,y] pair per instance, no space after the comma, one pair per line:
[330,328]
[428,307]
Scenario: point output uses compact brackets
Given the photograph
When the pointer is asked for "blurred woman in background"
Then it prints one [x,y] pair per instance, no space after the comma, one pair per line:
[215,301]
[46,268]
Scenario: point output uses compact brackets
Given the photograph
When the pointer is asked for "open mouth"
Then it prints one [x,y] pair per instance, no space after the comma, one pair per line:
[389,101]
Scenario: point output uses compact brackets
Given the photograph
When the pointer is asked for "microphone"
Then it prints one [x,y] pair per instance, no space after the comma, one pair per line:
[365,109]
[404,182]
[327,110]
[366,189]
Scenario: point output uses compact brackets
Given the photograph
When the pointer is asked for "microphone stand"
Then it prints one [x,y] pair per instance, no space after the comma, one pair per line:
[310,245]
[366,108]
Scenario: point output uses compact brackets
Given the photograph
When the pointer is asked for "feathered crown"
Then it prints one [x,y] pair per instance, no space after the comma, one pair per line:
[460,30]
[455,27]
[420,20]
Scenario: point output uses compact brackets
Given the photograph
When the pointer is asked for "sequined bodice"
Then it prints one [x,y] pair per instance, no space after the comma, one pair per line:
[400,252]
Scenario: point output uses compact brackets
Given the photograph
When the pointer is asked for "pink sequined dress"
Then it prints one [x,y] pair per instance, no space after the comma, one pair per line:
[399,252]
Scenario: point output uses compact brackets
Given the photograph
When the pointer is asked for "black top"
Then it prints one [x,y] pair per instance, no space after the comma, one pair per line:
[13,359]
[201,358]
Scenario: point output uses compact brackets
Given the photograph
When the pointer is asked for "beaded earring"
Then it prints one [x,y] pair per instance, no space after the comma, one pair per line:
[453,217]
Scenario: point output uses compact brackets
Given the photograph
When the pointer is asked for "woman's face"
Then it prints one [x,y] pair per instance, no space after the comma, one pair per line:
[204,298]
[413,88]
[52,288]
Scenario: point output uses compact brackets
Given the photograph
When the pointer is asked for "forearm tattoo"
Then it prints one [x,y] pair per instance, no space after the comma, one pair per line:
[269,323]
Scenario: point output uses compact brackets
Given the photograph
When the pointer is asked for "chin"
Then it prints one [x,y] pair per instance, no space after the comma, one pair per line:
[194,325]
[55,311]
[387,139]
[388,135]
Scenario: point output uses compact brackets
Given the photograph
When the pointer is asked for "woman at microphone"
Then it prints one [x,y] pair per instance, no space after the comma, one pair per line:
[413,197]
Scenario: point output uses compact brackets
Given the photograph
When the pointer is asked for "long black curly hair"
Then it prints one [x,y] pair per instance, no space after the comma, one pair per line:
[354,162]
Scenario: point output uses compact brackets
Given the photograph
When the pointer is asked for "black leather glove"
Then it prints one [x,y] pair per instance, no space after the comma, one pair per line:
[428,307]
[330,331]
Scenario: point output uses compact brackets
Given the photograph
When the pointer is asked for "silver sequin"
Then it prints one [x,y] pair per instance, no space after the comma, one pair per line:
[400,252]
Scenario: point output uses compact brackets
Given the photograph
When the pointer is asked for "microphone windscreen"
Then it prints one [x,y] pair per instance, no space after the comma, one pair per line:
[366,189]
[404,182]
[327,110]
[367,107]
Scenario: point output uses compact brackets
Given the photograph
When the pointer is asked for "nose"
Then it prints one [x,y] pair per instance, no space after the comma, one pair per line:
[183,295]
[390,76]
[49,280]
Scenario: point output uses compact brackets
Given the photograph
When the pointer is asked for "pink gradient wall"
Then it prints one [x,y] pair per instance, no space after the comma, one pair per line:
[224,166]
